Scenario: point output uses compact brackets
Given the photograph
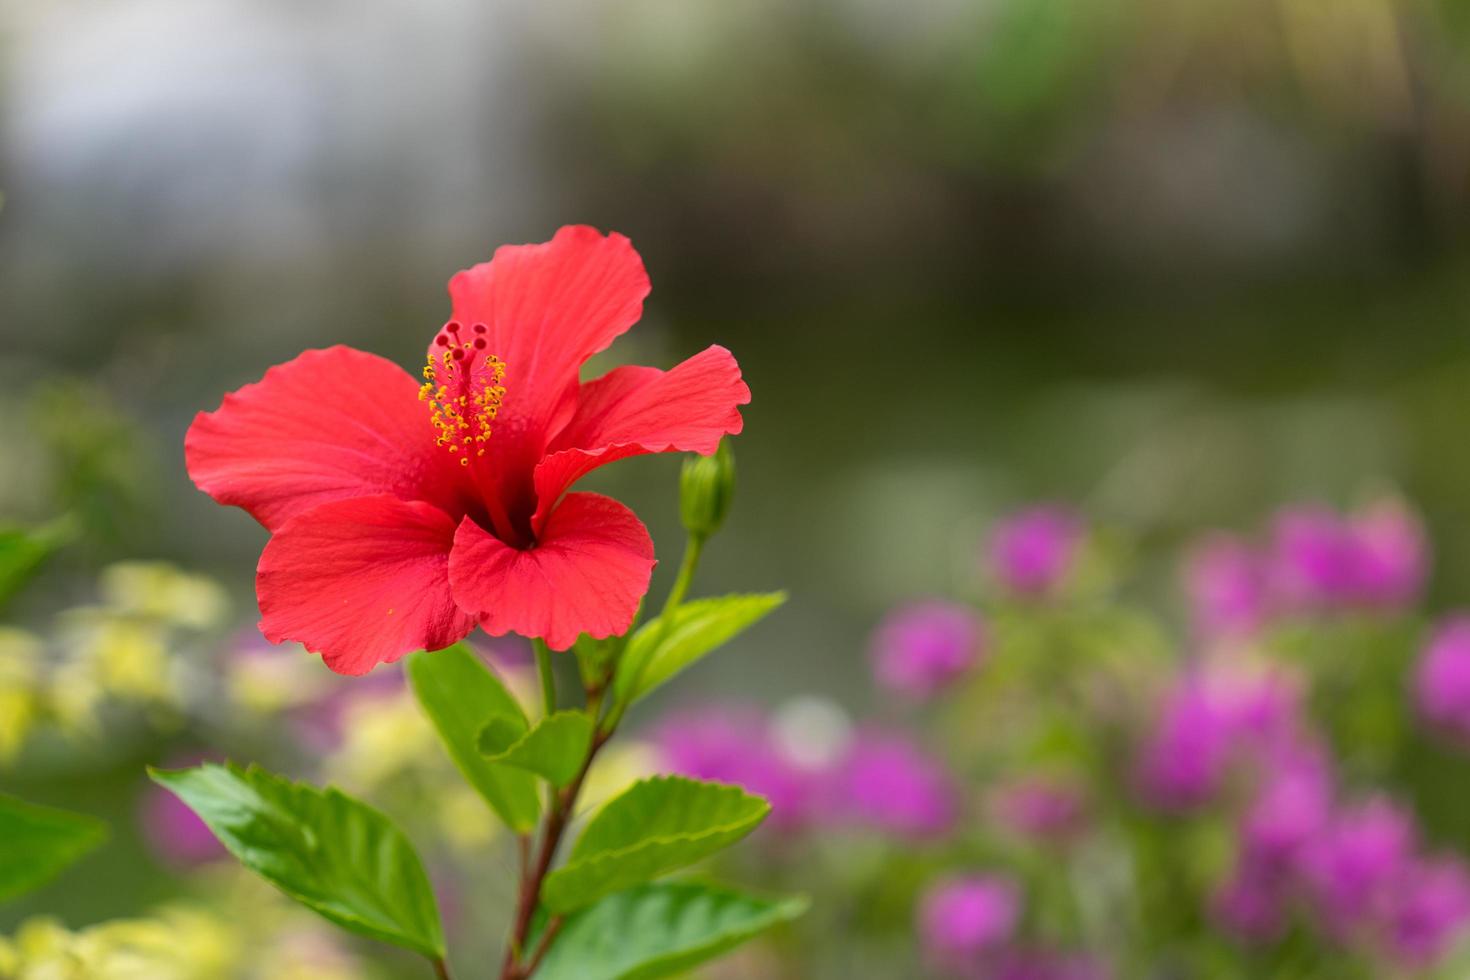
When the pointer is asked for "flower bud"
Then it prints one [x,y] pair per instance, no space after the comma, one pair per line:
[706,486]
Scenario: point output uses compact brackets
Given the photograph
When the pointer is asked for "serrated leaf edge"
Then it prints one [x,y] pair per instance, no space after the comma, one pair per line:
[739,827]
[782,909]
[331,792]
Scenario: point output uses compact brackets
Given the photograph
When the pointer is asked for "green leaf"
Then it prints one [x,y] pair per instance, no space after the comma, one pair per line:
[659,825]
[38,842]
[554,749]
[23,550]
[699,627]
[337,856]
[460,694]
[659,930]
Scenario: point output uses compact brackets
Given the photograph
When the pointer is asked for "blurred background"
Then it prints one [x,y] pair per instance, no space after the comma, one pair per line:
[1169,263]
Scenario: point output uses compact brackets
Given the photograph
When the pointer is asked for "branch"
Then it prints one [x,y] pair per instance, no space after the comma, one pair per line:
[556,825]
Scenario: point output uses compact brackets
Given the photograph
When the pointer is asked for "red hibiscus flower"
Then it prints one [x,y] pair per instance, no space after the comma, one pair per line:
[403,514]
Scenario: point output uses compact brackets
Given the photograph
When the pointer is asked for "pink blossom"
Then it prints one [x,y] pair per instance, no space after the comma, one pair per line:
[735,746]
[1442,678]
[1226,583]
[1291,807]
[1351,867]
[889,784]
[961,919]
[1392,555]
[1033,551]
[921,648]
[172,831]
[1429,911]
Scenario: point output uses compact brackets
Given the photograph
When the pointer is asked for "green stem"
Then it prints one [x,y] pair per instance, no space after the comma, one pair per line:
[693,548]
[548,678]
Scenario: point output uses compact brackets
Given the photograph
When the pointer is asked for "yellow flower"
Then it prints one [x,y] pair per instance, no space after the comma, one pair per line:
[132,659]
[72,698]
[176,944]
[20,656]
[161,591]
[383,735]
[270,681]
[306,954]
[465,819]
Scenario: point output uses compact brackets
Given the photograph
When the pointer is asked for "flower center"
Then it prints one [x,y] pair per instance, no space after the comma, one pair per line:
[463,388]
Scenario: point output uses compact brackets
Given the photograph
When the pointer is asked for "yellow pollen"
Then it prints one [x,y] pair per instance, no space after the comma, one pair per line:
[464,396]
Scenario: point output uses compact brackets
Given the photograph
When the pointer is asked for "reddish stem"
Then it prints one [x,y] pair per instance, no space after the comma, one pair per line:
[542,945]
[560,815]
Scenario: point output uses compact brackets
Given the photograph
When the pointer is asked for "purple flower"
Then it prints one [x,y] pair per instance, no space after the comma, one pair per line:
[1377,559]
[1442,678]
[1391,555]
[887,783]
[1040,808]
[1429,911]
[1031,552]
[1350,868]
[920,648]
[172,830]
[735,746]
[1260,706]
[1226,584]
[1291,807]
[1312,559]
[1215,714]
[1183,760]
[961,919]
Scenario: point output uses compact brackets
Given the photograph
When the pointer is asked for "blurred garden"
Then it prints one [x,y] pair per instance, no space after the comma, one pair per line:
[1097,569]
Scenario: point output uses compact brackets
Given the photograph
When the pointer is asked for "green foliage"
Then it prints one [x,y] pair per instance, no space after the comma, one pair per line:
[38,842]
[460,695]
[659,930]
[553,749]
[23,550]
[659,825]
[101,464]
[699,627]
[338,856]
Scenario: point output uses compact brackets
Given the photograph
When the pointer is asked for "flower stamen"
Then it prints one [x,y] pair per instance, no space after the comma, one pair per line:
[463,387]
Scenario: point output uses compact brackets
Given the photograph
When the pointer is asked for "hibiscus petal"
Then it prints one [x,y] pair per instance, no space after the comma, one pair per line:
[361,581]
[328,425]
[586,574]
[547,308]
[635,410]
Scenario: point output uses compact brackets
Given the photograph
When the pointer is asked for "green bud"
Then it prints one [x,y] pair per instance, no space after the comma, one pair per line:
[705,487]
